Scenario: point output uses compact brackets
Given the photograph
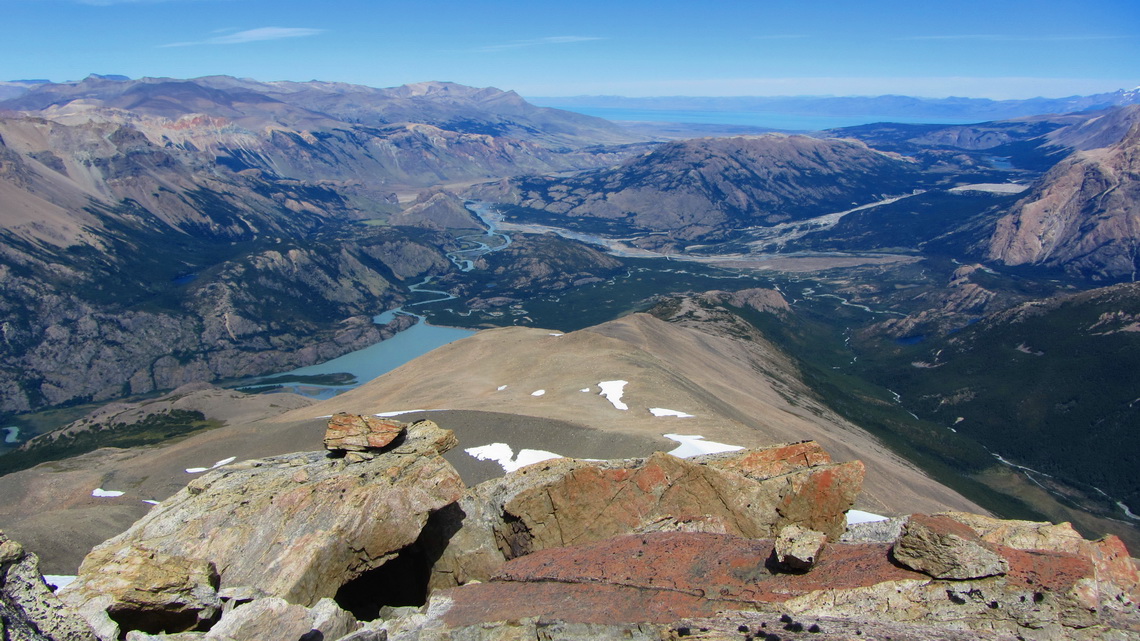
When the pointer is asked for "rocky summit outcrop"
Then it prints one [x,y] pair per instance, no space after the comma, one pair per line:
[1082,216]
[798,548]
[671,585]
[561,502]
[297,527]
[742,545]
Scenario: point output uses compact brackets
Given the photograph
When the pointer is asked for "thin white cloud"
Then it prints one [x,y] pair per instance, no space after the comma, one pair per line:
[536,42]
[252,35]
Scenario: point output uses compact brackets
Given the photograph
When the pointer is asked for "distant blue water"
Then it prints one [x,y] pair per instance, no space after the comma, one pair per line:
[374,360]
[748,118]
[380,358]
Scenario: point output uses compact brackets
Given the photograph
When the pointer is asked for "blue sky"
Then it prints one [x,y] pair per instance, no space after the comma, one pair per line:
[993,49]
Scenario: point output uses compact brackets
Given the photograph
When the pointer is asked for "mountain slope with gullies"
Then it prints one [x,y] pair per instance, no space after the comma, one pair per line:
[741,391]
[161,231]
[1082,216]
[708,188]
[365,139]
[139,266]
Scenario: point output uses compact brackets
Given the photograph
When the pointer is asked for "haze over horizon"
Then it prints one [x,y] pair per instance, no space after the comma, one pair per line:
[974,49]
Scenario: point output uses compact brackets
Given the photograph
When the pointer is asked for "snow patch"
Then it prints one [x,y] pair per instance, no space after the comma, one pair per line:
[994,188]
[397,413]
[538,392]
[150,501]
[661,411]
[556,334]
[612,391]
[859,516]
[106,494]
[502,454]
[60,581]
[501,388]
[695,445]
[199,470]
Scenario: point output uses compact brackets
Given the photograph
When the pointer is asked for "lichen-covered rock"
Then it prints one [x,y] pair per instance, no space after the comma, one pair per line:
[150,590]
[1116,571]
[946,549]
[28,608]
[354,433]
[798,548]
[566,501]
[299,526]
[639,582]
[277,619]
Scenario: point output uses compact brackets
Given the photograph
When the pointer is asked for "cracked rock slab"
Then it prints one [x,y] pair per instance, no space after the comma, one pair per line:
[299,526]
[946,549]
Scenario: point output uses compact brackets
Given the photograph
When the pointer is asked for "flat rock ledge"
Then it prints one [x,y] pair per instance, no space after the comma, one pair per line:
[391,546]
[651,585]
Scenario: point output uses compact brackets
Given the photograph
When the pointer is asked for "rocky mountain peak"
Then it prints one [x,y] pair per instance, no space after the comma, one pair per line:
[650,548]
[1082,215]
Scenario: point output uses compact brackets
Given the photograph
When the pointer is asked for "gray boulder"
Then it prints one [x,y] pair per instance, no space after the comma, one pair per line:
[946,549]
[297,527]
[28,608]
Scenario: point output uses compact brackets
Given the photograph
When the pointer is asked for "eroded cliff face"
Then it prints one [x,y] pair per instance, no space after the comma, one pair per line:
[1082,216]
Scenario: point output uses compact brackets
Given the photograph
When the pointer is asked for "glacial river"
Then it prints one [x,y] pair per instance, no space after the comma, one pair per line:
[372,361]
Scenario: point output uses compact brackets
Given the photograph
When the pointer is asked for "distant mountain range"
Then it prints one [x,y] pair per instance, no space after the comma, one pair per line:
[158,231]
[886,107]
[707,188]
[210,207]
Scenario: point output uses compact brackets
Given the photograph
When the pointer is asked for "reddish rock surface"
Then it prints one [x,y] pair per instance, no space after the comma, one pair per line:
[350,432]
[565,501]
[774,461]
[660,578]
[716,566]
[1109,556]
